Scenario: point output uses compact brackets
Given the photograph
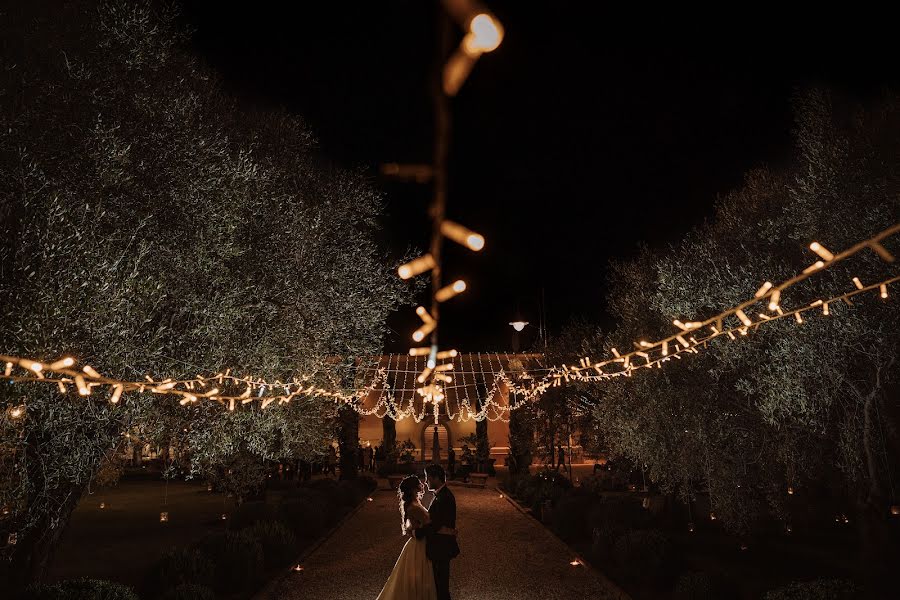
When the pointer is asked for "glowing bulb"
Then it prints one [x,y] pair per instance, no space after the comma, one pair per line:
[773,300]
[424,315]
[462,235]
[485,35]
[799,318]
[418,335]
[447,354]
[858,283]
[475,242]
[519,325]
[744,318]
[821,251]
[814,267]
[883,289]
[62,364]
[447,292]
[117,393]
[419,351]
[17,412]
[762,291]
[415,267]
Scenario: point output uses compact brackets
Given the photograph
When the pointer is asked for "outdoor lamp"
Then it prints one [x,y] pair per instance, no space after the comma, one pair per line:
[519,325]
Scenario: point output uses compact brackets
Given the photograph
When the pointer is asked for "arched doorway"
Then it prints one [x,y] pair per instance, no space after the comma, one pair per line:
[428,441]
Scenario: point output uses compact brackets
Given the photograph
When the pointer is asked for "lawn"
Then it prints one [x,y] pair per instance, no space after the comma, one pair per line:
[121,541]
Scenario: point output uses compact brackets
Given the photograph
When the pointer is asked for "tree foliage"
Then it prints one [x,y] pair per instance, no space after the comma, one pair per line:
[148,224]
[813,406]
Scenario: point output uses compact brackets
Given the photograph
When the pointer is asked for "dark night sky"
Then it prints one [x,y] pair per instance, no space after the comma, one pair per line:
[583,135]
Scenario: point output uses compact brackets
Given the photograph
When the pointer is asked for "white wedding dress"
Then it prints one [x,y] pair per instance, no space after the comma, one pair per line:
[412,577]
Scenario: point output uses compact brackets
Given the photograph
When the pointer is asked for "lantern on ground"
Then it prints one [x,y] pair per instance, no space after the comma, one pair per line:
[895,510]
[102,505]
[164,517]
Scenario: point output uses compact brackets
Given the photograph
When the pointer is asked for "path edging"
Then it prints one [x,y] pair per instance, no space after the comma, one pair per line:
[584,563]
[274,585]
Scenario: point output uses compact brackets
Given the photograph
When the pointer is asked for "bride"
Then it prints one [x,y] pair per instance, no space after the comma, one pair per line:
[412,577]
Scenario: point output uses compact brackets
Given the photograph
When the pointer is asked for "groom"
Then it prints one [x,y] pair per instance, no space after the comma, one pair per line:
[440,534]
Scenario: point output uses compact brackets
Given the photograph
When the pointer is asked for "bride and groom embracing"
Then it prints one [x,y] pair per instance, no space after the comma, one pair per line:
[423,570]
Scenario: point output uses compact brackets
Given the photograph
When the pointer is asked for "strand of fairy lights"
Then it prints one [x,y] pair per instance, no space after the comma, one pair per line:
[687,341]
[483,34]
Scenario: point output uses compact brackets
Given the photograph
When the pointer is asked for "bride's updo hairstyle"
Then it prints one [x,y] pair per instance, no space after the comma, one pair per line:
[407,491]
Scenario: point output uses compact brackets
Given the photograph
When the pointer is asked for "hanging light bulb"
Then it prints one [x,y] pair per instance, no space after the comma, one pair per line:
[447,292]
[416,267]
[821,251]
[519,325]
[462,235]
[485,34]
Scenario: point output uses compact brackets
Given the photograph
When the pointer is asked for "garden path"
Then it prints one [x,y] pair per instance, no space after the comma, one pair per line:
[505,555]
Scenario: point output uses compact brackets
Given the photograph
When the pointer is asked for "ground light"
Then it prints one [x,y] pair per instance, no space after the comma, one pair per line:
[297,568]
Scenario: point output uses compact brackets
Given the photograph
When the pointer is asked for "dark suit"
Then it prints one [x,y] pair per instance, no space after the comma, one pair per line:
[440,548]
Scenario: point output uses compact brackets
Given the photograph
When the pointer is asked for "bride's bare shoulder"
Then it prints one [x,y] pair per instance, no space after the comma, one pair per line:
[418,510]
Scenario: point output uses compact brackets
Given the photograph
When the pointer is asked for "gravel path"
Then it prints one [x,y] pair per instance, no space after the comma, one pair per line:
[505,555]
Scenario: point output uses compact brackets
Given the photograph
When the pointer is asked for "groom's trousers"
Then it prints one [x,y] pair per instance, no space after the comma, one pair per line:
[441,570]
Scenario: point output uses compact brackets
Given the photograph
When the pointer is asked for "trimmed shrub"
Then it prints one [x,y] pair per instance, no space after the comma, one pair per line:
[238,558]
[190,592]
[644,554]
[250,513]
[180,567]
[347,494]
[317,498]
[612,512]
[548,485]
[306,519]
[80,589]
[279,545]
[604,538]
[817,589]
[570,516]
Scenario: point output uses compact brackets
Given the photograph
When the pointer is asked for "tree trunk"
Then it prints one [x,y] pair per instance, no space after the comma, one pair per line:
[482,444]
[877,551]
[348,441]
[521,440]
[34,550]
[389,429]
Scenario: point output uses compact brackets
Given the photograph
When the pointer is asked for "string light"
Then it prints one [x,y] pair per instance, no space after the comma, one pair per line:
[61,372]
[447,292]
[416,267]
[462,236]
[821,251]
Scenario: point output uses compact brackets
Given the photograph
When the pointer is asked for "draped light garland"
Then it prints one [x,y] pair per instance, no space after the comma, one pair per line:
[523,385]
[694,334]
